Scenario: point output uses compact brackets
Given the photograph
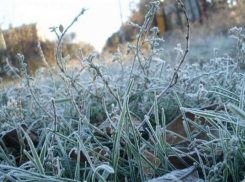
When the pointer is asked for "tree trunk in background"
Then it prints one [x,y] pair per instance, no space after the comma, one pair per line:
[199,12]
[178,12]
[191,10]
[203,5]
[167,27]
[3,52]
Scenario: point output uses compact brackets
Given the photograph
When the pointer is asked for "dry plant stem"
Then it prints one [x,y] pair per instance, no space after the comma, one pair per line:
[20,104]
[55,124]
[209,73]
[33,94]
[36,100]
[55,129]
[46,63]
[61,37]
[174,78]
[142,34]
[58,52]
[27,82]
[12,70]
[106,84]
[73,101]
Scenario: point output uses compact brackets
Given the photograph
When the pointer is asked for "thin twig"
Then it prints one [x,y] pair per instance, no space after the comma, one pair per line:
[198,76]
[55,130]
[55,124]
[174,78]
[143,32]
[46,64]
[61,37]
[96,68]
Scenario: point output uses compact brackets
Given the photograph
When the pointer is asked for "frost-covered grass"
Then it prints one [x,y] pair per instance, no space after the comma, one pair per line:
[89,119]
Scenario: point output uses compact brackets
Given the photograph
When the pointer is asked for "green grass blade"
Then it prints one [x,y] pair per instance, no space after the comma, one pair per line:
[65,156]
[225,96]
[116,144]
[227,91]
[185,124]
[58,101]
[77,170]
[30,174]
[84,150]
[4,156]
[62,136]
[7,177]
[105,168]
[44,149]
[236,110]
[36,158]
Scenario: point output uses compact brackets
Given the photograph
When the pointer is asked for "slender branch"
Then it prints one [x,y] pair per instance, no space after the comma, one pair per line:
[96,68]
[198,76]
[55,124]
[46,63]
[174,78]
[61,37]
[54,131]
[143,32]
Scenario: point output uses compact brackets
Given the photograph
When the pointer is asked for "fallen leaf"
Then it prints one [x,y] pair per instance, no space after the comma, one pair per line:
[107,127]
[177,161]
[154,160]
[11,139]
[73,155]
[176,133]
[103,154]
[176,136]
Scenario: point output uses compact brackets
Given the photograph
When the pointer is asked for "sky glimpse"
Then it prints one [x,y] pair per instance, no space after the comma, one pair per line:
[100,20]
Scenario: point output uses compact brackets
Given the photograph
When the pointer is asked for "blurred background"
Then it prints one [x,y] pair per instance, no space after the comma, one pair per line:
[103,27]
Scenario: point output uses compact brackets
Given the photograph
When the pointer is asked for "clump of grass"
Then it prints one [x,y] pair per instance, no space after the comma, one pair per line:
[94,125]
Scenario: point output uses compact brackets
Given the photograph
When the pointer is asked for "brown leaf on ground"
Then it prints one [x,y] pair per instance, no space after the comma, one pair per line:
[107,127]
[154,160]
[73,155]
[97,151]
[11,139]
[177,161]
[176,133]
[176,136]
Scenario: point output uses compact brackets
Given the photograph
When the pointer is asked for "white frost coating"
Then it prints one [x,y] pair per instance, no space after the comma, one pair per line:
[185,175]
[73,149]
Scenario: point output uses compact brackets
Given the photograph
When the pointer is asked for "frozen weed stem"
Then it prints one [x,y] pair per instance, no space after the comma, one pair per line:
[174,78]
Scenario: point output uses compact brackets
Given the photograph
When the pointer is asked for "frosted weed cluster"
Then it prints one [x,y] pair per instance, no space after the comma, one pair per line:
[113,127]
